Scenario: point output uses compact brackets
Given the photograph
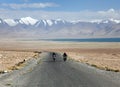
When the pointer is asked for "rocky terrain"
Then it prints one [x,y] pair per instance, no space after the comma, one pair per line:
[13,60]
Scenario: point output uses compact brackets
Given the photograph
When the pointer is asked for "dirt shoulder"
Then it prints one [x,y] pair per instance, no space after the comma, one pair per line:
[107,59]
[11,60]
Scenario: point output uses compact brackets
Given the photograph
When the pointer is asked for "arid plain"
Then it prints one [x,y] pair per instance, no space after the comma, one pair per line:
[102,55]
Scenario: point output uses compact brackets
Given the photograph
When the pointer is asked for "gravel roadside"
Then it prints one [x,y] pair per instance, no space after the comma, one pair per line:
[8,79]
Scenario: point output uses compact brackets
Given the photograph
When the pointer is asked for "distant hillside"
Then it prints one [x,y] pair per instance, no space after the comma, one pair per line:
[34,28]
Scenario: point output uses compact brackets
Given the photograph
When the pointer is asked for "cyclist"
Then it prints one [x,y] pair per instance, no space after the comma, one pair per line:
[64,56]
[53,56]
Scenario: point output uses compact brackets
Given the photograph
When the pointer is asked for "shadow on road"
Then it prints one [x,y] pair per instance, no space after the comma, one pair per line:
[53,61]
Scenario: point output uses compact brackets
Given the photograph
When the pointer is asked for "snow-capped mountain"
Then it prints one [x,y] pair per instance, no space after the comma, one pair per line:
[30,27]
[30,21]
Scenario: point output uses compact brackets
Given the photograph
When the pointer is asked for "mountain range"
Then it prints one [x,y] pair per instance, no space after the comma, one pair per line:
[28,27]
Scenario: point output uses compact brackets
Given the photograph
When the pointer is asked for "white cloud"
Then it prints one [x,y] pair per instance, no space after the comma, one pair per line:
[108,11]
[81,15]
[111,13]
[30,5]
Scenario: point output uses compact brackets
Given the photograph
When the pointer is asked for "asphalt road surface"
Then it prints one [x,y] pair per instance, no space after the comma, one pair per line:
[64,74]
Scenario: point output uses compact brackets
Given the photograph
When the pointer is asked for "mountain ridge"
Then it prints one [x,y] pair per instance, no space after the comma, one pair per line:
[32,21]
[30,27]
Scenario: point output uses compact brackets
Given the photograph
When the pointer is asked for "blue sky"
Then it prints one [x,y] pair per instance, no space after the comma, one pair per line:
[72,5]
[64,9]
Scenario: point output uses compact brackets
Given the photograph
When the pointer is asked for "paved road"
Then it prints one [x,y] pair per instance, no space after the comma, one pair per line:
[64,74]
